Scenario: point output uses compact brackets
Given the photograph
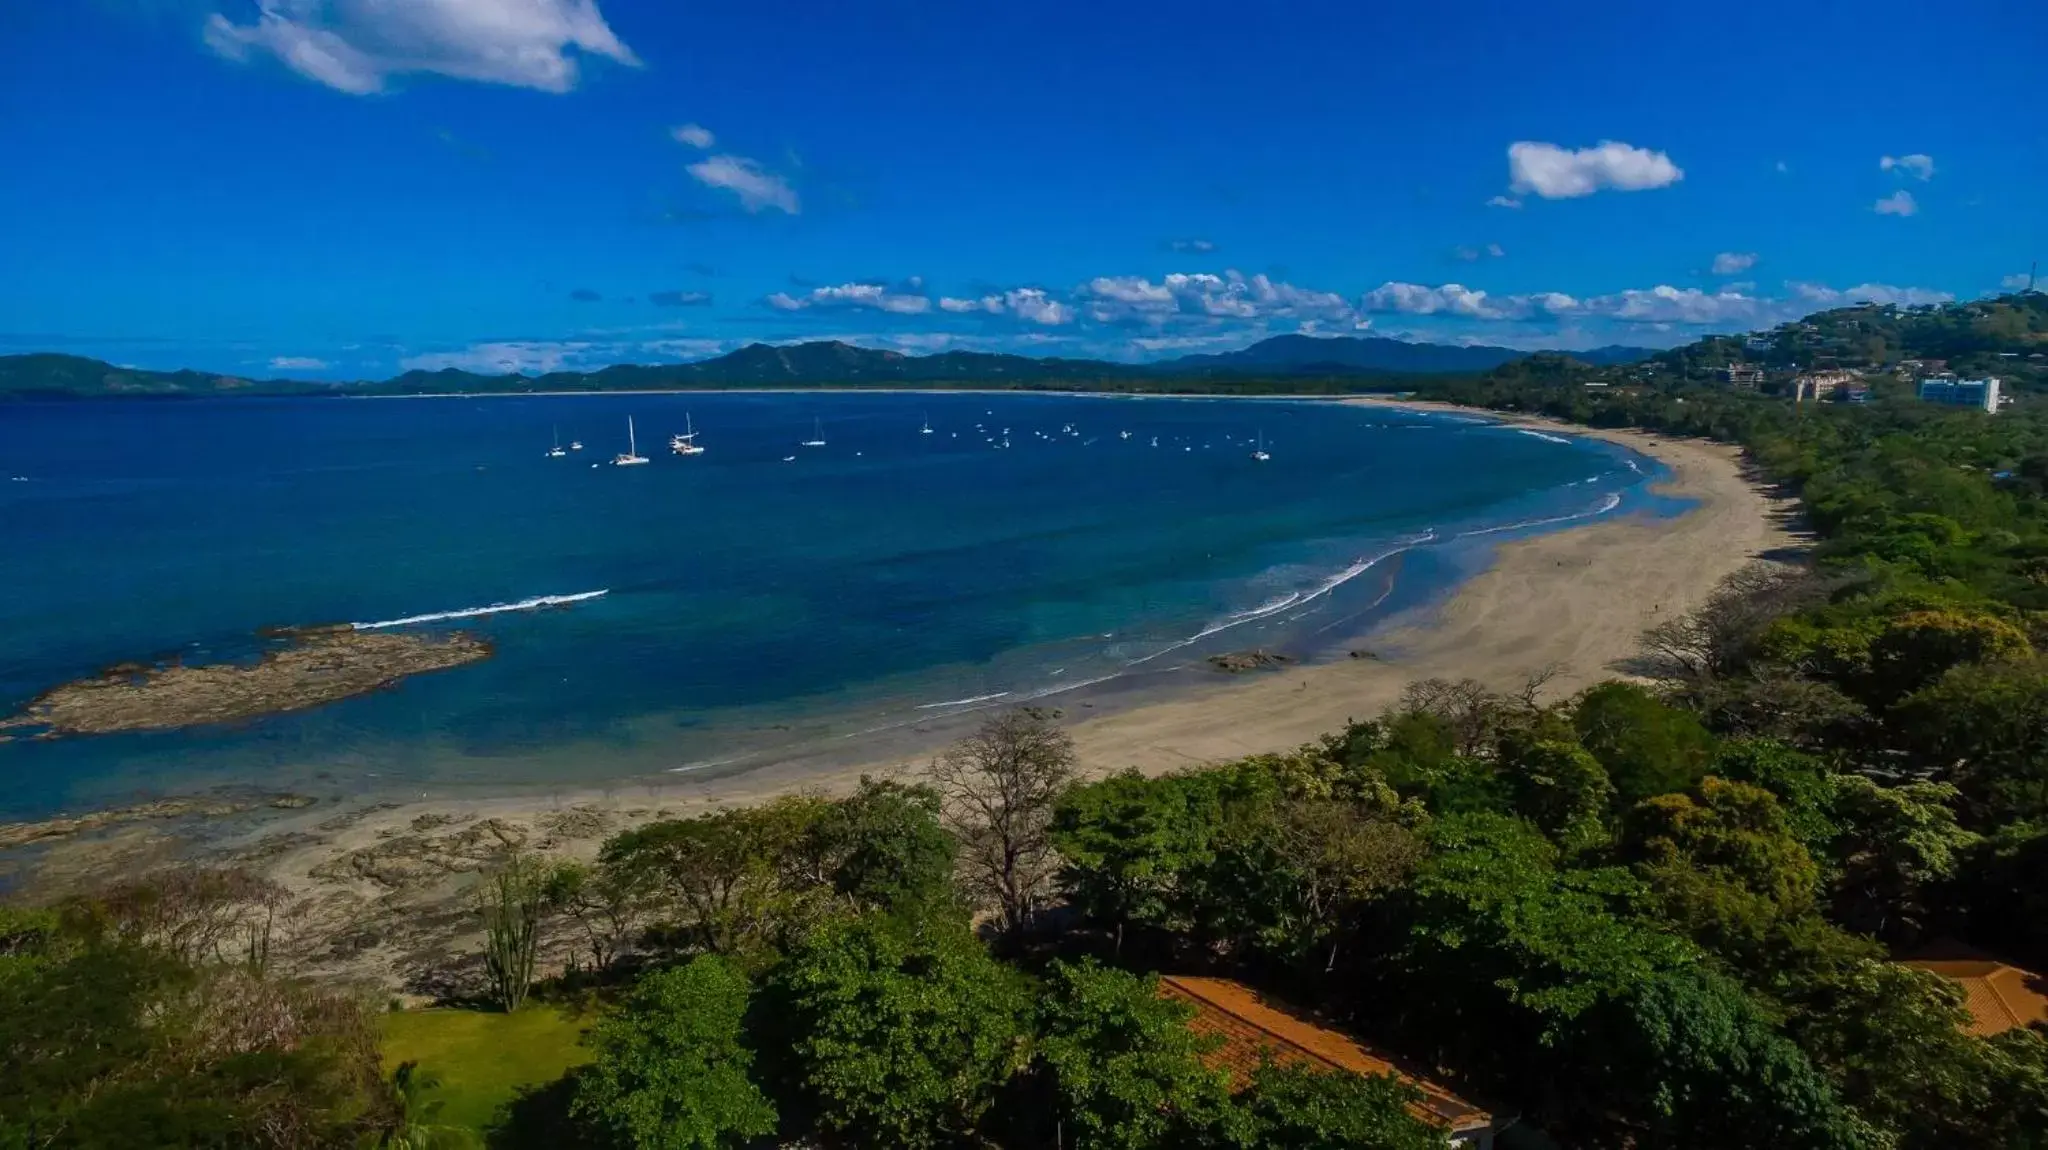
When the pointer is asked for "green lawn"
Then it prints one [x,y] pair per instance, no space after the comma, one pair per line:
[482,1057]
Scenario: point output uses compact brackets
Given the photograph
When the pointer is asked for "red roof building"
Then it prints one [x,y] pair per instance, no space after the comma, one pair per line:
[1999,997]
[1254,1030]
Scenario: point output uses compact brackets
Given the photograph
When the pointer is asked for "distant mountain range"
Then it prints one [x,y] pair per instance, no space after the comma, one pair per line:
[825,364]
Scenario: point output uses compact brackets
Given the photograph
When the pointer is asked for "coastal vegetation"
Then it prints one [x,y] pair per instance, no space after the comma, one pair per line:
[1666,911]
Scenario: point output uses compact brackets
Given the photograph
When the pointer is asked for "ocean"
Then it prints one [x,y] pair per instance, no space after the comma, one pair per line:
[758,602]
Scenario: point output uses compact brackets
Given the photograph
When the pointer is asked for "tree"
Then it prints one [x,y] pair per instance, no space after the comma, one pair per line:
[511,900]
[1125,1070]
[1648,747]
[883,845]
[999,786]
[672,1064]
[897,1034]
[1126,842]
[607,902]
[732,879]
[1558,785]
[1723,865]
[1295,1108]
[1986,727]
[1898,844]
[1700,1065]
[1919,647]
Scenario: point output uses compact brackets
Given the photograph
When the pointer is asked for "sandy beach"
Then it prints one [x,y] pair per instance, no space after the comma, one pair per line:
[1572,604]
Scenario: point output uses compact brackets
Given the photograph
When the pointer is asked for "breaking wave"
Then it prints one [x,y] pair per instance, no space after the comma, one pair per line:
[533,604]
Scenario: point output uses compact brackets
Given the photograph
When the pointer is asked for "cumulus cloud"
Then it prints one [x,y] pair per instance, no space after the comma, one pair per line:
[500,358]
[1811,296]
[1899,203]
[1918,165]
[1503,202]
[585,295]
[1733,263]
[907,300]
[296,363]
[2016,282]
[1032,305]
[679,298]
[757,187]
[1232,295]
[356,46]
[694,135]
[1557,173]
[1446,299]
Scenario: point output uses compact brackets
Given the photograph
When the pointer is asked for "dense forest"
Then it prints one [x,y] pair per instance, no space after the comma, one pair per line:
[1663,912]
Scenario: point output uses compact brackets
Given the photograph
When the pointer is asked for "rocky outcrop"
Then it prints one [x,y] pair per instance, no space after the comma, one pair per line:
[304,669]
[1238,662]
[21,834]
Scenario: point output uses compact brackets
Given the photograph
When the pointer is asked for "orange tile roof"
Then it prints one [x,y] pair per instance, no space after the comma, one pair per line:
[1255,1030]
[1998,997]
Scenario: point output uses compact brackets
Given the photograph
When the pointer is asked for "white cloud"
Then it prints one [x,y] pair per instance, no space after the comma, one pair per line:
[1503,202]
[756,186]
[1733,263]
[694,135]
[1232,295]
[296,363]
[1562,173]
[1919,165]
[1033,305]
[499,358]
[1783,166]
[1199,247]
[1447,299]
[864,296]
[1812,296]
[1496,251]
[355,46]
[1899,203]
[2016,282]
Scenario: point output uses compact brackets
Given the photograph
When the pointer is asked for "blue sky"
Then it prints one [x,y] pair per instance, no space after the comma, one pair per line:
[347,188]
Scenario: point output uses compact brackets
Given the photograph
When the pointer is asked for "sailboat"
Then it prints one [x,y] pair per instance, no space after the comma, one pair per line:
[575,445]
[632,455]
[817,438]
[1261,454]
[686,443]
[556,452]
[927,428]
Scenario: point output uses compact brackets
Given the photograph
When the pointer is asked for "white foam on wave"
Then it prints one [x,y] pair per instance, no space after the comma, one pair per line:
[1613,501]
[1546,437]
[533,604]
[962,702]
[1275,606]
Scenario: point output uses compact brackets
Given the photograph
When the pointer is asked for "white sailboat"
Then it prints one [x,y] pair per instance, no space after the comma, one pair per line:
[686,443]
[927,428]
[1261,454]
[632,455]
[817,438]
[555,451]
[575,445]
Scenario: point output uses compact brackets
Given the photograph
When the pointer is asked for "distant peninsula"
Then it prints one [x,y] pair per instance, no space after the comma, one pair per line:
[1282,363]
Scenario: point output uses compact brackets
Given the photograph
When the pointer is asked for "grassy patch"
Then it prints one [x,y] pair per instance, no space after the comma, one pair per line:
[483,1058]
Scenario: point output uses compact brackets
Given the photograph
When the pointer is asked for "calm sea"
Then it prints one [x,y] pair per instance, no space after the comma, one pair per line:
[762,599]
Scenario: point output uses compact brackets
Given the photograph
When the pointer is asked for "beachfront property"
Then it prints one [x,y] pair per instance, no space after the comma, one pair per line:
[1998,995]
[1981,394]
[1253,1029]
[1742,376]
[1820,386]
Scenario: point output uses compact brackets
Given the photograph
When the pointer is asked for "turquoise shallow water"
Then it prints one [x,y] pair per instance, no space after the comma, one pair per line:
[752,602]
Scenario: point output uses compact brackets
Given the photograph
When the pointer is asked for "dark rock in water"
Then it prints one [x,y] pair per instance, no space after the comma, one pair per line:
[309,667]
[1239,661]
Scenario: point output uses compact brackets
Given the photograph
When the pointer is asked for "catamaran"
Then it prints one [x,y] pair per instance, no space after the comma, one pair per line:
[556,452]
[817,438]
[1260,454]
[686,443]
[632,455]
